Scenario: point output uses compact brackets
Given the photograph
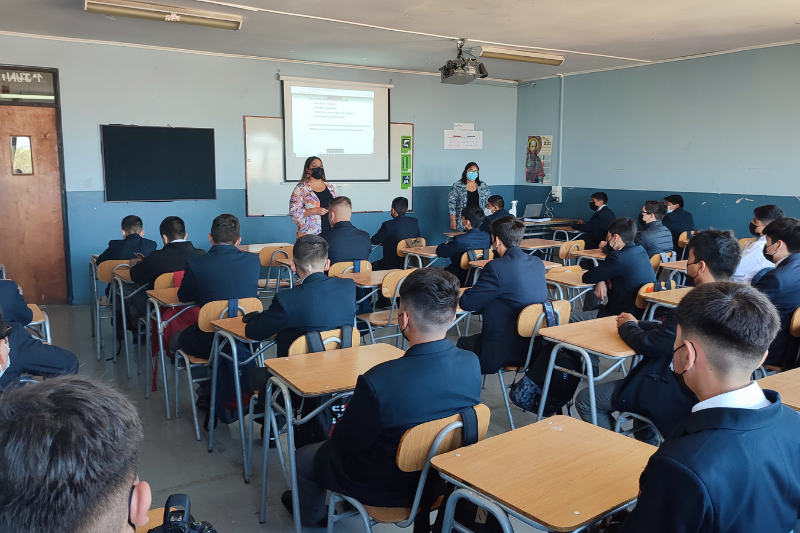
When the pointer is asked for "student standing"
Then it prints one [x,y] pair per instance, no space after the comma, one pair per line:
[594,231]
[678,219]
[468,191]
[310,198]
[496,209]
[473,239]
[655,238]
[753,259]
[391,232]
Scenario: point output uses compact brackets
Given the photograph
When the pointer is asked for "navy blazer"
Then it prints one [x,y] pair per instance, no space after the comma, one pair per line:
[625,271]
[782,286]
[655,238]
[596,228]
[474,239]
[320,303]
[506,286]
[392,232]
[650,389]
[431,381]
[677,222]
[724,469]
[487,222]
[172,258]
[13,305]
[347,243]
[224,273]
[31,356]
[127,248]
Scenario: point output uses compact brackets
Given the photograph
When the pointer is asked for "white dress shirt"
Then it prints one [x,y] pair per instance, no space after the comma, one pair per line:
[749,397]
[753,262]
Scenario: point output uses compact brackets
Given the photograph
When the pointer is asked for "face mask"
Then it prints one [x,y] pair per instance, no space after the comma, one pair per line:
[769,257]
[753,230]
[8,363]
[472,175]
[689,276]
[487,212]
[592,206]
[679,376]
[607,249]
[403,330]
[318,173]
[671,208]
[641,220]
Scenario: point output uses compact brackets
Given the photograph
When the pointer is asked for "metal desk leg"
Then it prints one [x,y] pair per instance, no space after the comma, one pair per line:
[148,311]
[480,501]
[124,326]
[92,296]
[653,307]
[589,376]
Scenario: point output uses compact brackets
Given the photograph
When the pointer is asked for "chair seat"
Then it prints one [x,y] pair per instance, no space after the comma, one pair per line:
[271,283]
[512,368]
[379,318]
[392,515]
[774,368]
[194,360]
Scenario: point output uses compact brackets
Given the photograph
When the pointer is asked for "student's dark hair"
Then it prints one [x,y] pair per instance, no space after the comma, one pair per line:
[786,230]
[737,322]
[173,228]
[464,179]
[400,205]
[768,213]
[654,207]
[340,200]
[474,214]
[600,196]
[509,230]
[720,251]
[674,199]
[496,200]
[132,224]
[307,164]
[625,228]
[310,252]
[69,450]
[430,295]
[226,229]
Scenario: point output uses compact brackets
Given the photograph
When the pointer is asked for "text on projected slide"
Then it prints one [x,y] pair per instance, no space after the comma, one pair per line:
[332,121]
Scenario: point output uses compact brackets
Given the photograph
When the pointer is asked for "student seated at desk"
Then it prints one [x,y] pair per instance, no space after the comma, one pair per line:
[132,242]
[177,251]
[620,276]
[496,209]
[733,464]
[677,219]
[507,285]
[391,232]
[650,389]
[655,238]
[753,260]
[346,242]
[224,273]
[782,285]
[594,231]
[473,239]
[360,459]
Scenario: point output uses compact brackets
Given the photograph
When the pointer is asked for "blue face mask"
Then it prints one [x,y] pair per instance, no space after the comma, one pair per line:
[472,175]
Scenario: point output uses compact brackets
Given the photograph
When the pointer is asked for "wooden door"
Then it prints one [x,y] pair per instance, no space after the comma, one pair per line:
[31,222]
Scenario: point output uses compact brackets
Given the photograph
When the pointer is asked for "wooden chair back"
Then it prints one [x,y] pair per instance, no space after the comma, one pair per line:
[105,270]
[478,254]
[649,288]
[415,444]
[564,268]
[794,325]
[529,317]
[392,280]
[348,266]
[565,252]
[269,254]
[165,281]
[744,243]
[656,260]
[219,308]
[684,239]
[331,339]
[402,245]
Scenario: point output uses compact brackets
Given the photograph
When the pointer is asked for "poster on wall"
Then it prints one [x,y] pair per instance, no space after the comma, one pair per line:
[537,159]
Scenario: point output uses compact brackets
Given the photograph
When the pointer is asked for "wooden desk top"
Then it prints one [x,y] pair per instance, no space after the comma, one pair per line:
[373,278]
[256,248]
[155,518]
[675,265]
[38,316]
[424,251]
[234,326]
[285,261]
[539,244]
[314,374]
[124,274]
[598,335]
[572,278]
[672,297]
[568,229]
[167,297]
[787,384]
[594,254]
[453,233]
[560,472]
[550,222]
[480,263]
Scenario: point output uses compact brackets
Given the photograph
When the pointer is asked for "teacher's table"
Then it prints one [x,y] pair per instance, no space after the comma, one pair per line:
[543,227]
[559,474]
[599,337]
[569,280]
[594,255]
[332,374]
[787,384]
[667,299]
[427,252]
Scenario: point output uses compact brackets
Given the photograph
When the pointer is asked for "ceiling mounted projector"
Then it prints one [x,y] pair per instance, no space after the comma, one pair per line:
[511,54]
[177,15]
[461,71]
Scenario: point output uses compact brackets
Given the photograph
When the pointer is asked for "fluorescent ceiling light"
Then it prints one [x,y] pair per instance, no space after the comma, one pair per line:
[179,15]
[510,54]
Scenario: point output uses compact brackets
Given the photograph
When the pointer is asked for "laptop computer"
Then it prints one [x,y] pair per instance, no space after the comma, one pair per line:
[533,211]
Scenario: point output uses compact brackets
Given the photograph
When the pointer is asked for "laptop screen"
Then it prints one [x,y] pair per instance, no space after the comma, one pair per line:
[532,210]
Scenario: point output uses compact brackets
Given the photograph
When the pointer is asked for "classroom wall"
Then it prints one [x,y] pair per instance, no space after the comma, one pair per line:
[120,85]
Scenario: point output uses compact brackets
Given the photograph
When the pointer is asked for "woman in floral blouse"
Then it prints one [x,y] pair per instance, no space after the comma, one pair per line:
[469,190]
[308,206]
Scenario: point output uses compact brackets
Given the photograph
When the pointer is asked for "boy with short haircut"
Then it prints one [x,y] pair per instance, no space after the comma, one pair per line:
[753,260]
[496,206]
[655,238]
[132,242]
[177,251]
[678,219]
[733,464]
[391,232]
[594,231]
[473,239]
[345,241]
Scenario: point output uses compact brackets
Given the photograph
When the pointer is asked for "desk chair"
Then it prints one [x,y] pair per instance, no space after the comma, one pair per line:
[39,326]
[744,243]
[104,273]
[417,447]
[643,422]
[183,361]
[416,242]
[683,240]
[474,255]
[657,259]
[164,281]
[566,249]
[649,288]
[528,324]
[343,267]
[268,256]
[390,288]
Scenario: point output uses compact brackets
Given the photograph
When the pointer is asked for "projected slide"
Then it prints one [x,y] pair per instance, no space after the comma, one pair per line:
[332,121]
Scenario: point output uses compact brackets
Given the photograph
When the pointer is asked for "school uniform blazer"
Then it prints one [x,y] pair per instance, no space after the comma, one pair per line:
[650,389]
[782,286]
[172,258]
[320,303]
[506,286]
[224,273]
[655,238]
[31,356]
[724,469]
[595,229]
[127,248]
[13,305]
[487,222]
[392,232]
[431,381]
[677,222]
[347,243]
[474,239]
[625,271]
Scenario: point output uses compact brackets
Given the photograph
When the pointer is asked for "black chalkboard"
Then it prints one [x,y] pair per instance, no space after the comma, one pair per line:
[143,163]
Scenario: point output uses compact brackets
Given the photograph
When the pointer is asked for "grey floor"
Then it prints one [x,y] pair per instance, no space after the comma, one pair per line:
[173,461]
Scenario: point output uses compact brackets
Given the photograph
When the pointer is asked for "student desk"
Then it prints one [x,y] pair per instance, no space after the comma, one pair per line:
[567,231]
[333,373]
[545,245]
[285,263]
[40,323]
[542,227]
[787,384]
[256,248]
[155,518]
[371,279]
[664,299]
[599,337]
[675,267]
[451,234]
[480,263]
[570,280]
[156,299]
[560,474]
[122,277]
[427,252]
[594,255]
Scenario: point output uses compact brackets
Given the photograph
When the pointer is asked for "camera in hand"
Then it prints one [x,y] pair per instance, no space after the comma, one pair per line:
[181,521]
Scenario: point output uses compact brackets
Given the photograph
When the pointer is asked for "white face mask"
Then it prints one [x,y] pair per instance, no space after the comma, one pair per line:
[487,211]
[8,362]
[670,209]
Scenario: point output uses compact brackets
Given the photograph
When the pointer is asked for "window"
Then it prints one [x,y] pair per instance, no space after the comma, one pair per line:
[21,156]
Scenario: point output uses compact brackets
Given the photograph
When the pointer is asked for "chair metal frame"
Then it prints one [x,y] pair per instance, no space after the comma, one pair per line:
[267,292]
[392,311]
[119,284]
[625,416]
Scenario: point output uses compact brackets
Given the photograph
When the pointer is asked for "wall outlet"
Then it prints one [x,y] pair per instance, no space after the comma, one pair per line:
[555,194]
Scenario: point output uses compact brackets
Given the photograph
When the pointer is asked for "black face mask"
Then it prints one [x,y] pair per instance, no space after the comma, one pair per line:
[592,206]
[640,220]
[607,249]
[318,173]
[768,257]
[753,230]
[679,375]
